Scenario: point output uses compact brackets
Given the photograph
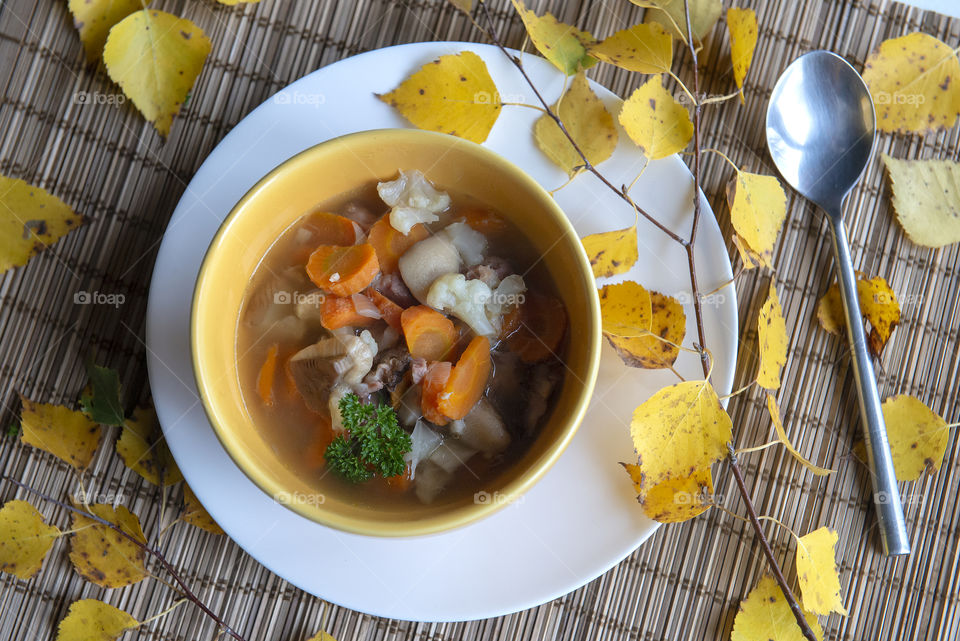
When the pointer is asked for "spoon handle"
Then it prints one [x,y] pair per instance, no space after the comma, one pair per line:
[886,496]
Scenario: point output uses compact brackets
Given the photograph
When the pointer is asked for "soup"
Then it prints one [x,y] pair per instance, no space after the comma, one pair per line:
[400,343]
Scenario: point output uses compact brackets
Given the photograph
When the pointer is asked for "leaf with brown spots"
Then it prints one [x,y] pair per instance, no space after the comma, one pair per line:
[758,207]
[30,221]
[765,614]
[674,500]
[742,24]
[918,437]
[914,81]
[785,441]
[67,434]
[143,449]
[94,19]
[102,555]
[611,252]
[156,57]
[92,620]
[560,43]
[24,539]
[772,330]
[817,572]
[453,95]
[645,327]
[878,304]
[643,48]
[655,121]
[926,197]
[195,514]
[586,119]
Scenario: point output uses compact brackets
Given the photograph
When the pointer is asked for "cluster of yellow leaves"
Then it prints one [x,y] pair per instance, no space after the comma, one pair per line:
[878,304]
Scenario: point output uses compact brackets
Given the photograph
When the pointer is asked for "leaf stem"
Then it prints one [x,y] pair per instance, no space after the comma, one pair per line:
[756,448]
[521,104]
[164,613]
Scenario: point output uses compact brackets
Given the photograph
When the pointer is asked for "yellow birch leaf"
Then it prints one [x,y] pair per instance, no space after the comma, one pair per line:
[586,119]
[24,539]
[674,500]
[782,437]
[742,24]
[758,207]
[765,615]
[195,514]
[30,220]
[645,327]
[155,57]
[560,43]
[678,433]
[465,6]
[67,434]
[655,121]
[454,95]
[612,252]
[92,620]
[643,48]
[670,14]
[926,197]
[102,555]
[94,18]
[914,81]
[817,572]
[144,450]
[878,304]
[322,635]
[918,437]
[772,330]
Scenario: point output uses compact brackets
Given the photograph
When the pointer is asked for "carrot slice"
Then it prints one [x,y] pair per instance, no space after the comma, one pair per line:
[343,271]
[337,312]
[330,229]
[433,385]
[390,311]
[543,321]
[484,221]
[268,372]
[467,381]
[429,334]
[390,244]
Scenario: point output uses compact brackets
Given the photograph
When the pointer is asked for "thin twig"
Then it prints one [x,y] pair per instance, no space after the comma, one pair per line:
[184,588]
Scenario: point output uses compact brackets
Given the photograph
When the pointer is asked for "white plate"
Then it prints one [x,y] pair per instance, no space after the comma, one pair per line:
[582,518]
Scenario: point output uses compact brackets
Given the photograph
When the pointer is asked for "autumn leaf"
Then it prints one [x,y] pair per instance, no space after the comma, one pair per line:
[586,119]
[24,539]
[782,437]
[918,437]
[143,449]
[645,327]
[67,434]
[322,636]
[560,43]
[30,220]
[612,252]
[765,614]
[655,121]
[914,81]
[926,197]
[156,57]
[878,304]
[454,95]
[670,14]
[92,620]
[675,500]
[94,18]
[678,433]
[742,24]
[465,6]
[195,514]
[772,330]
[817,572]
[643,48]
[101,399]
[102,555]
[758,207]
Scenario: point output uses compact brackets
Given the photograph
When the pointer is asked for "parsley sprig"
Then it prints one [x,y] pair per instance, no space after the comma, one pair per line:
[373,443]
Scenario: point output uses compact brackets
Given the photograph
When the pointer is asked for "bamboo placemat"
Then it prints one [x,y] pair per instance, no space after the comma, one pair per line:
[687,580]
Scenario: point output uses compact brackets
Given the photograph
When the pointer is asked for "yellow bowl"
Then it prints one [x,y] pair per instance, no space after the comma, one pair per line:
[297,187]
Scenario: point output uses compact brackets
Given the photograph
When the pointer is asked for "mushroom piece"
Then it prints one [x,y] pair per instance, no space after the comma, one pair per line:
[317,368]
[427,261]
[482,429]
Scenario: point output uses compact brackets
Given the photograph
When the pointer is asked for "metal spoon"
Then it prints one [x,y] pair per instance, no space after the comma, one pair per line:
[820,131]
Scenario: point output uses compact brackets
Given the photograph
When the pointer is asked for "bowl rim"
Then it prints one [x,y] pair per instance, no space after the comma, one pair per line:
[462,515]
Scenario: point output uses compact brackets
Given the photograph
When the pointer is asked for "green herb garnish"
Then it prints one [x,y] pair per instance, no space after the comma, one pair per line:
[373,443]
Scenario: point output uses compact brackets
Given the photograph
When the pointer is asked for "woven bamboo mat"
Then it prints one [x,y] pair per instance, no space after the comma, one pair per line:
[686,581]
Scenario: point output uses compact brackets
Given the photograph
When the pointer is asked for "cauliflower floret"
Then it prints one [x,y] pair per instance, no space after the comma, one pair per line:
[469,242]
[413,200]
[508,294]
[361,350]
[465,299]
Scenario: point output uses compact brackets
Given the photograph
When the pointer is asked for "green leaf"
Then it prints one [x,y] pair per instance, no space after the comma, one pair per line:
[101,400]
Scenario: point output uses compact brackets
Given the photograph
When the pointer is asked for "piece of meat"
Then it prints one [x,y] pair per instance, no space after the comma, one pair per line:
[360,215]
[418,369]
[392,286]
[387,371]
[317,368]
